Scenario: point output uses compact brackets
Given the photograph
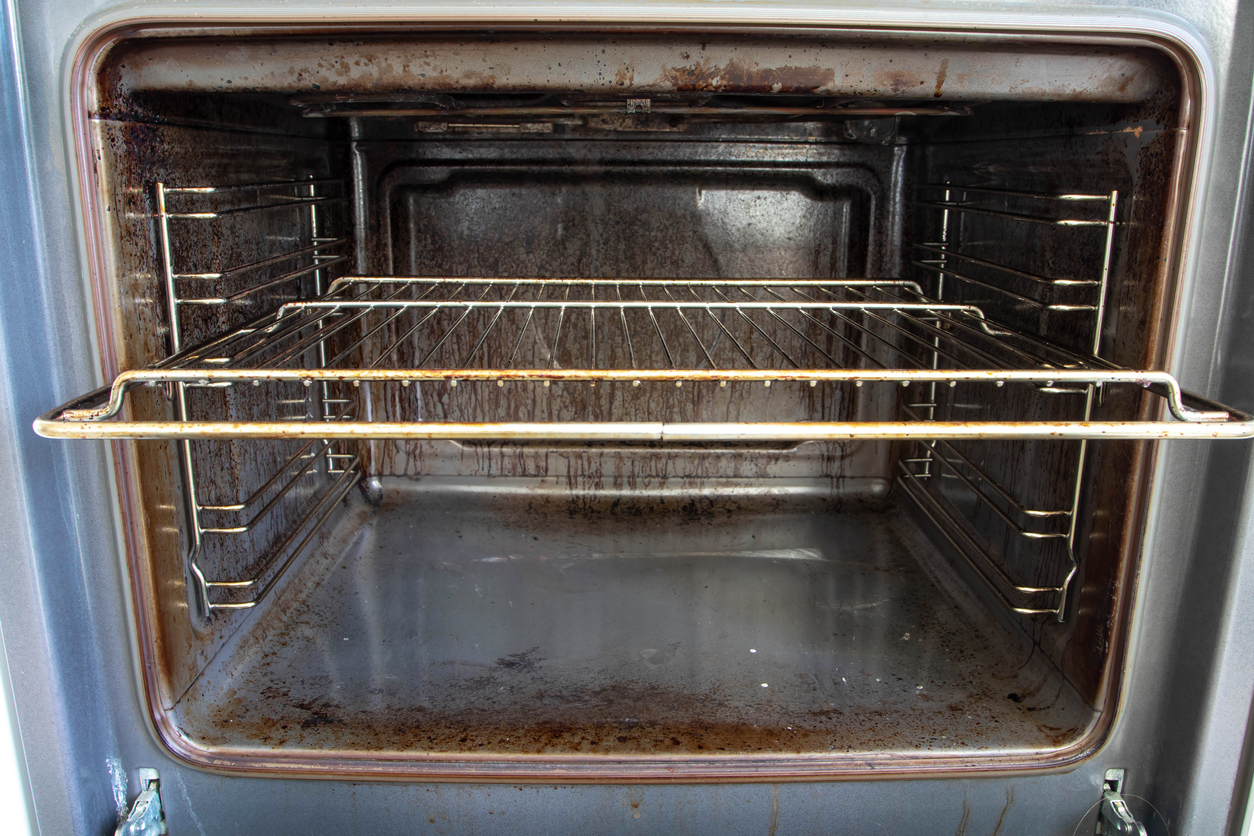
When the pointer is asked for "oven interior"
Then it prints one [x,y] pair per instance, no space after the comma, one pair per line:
[642,528]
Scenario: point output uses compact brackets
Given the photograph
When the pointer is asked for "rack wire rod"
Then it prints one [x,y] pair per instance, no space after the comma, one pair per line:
[947,252]
[981,333]
[50,427]
[347,350]
[678,304]
[1015,216]
[263,324]
[624,282]
[1013,193]
[138,377]
[976,556]
[557,335]
[319,516]
[307,342]
[775,315]
[693,331]
[278,280]
[919,341]
[850,343]
[262,207]
[457,325]
[592,329]
[273,184]
[492,325]
[766,336]
[940,267]
[1066,356]
[622,318]
[1035,360]
[525,112]
[725,332]
[657,328]
[264,262]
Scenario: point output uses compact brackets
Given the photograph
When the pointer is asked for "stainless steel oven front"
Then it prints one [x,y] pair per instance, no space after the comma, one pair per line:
[660,418]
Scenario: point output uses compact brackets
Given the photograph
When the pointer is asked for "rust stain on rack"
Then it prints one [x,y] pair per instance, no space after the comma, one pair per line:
[646,431]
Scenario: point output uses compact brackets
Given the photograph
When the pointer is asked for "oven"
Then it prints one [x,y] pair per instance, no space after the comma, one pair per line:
[686,422]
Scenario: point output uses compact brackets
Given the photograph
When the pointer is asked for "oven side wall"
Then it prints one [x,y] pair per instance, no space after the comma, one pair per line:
[1099,149]
[133,153]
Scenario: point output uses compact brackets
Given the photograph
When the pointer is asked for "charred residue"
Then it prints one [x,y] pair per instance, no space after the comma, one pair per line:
[855,649]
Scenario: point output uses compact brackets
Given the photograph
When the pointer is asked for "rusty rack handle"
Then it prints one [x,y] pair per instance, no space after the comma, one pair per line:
[1159,382]
[647,430]
[957,334]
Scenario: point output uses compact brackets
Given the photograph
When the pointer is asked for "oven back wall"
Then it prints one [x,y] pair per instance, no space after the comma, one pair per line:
[772,201]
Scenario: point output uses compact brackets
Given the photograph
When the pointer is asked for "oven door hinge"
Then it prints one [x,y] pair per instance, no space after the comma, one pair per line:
[145,818]
[1113,816]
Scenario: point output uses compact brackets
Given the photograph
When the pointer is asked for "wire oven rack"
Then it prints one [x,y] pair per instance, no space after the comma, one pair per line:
[541,331]
[359,331]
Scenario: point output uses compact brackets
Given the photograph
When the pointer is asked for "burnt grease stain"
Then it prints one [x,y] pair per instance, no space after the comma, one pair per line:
[525,661]
[532,701]
[703,76]
[940,78]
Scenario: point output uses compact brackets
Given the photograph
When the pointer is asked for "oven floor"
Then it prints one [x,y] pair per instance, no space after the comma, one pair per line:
[478,621]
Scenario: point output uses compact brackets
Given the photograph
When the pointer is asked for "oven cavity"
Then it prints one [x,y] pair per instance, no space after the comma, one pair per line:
[632,404]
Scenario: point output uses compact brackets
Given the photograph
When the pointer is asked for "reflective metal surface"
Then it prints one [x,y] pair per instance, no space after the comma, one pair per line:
[512,331]
[507,624]
[1187,701]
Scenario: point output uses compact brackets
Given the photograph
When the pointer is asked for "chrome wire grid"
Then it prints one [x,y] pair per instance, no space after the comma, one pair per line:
[594,329]
[390,330]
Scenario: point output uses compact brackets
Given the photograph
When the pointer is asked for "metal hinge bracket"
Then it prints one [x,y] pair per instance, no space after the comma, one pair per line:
[1113,816]
[145,818]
